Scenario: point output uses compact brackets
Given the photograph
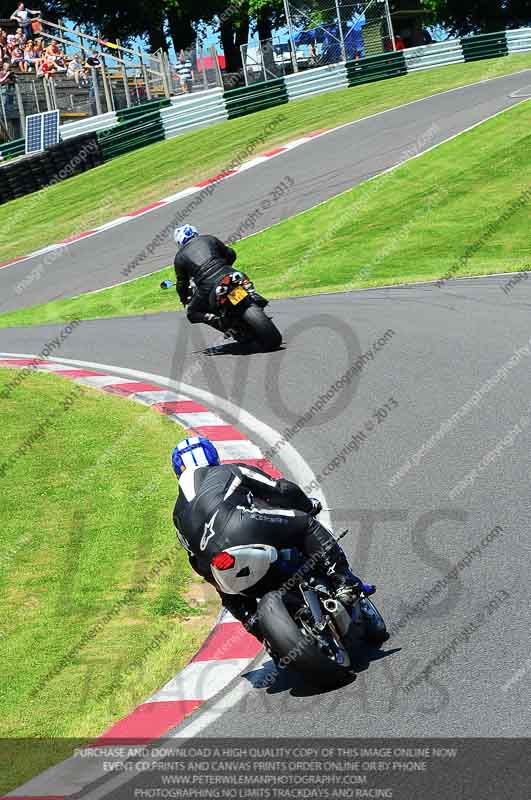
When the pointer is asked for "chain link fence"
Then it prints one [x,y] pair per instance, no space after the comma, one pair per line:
[269,59]
[195,69]
[329,31]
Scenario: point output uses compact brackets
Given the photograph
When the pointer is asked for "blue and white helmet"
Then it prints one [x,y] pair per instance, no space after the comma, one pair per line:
[194,452]
[184,234]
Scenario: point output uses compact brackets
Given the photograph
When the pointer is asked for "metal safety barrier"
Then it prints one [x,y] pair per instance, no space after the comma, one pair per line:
[376,68]
[487,45]
[257,97]
[519,41]
[316,81]
[90,125]
[135,129]
[430,56]
[189,112]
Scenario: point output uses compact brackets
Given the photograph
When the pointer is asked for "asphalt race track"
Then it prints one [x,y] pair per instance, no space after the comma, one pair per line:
[405,538]
[322,169]
[443,347]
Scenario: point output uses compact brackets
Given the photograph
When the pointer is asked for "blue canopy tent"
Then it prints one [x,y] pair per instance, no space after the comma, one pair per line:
[329,37]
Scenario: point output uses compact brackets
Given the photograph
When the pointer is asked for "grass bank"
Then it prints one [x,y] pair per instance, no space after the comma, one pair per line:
[461,209]
[96,603]
[134,180]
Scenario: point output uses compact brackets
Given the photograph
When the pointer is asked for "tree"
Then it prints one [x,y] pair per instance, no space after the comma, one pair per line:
[234,30]
[479,16]
[267,15]
[121,19]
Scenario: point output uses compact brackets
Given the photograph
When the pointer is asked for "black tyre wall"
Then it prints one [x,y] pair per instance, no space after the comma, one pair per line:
[59,163]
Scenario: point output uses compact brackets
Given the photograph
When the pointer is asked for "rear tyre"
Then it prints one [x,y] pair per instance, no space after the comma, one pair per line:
[293,649]
[264,330]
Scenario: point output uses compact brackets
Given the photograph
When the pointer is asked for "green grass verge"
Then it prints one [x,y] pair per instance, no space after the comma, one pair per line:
[136,179]
[461,209]
[96,608]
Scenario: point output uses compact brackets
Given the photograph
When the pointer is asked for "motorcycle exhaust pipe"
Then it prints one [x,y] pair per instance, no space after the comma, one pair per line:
[341,616]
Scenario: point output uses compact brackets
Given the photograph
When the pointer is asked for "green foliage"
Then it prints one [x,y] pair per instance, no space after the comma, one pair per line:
[479,16]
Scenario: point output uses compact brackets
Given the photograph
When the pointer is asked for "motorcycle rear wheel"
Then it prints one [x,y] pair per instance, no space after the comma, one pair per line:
[262,327]
[293,649]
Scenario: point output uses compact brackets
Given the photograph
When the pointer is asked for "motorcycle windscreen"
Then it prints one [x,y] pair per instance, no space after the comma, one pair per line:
[252,563]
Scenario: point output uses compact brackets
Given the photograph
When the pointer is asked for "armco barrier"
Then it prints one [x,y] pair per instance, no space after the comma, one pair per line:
[28,175]
[128,114]
[12,149]
[488,45]
[131,134]
[257,97]
[434,55]
[89,125]
[376,68]
[189,112]
[519,41]
[316,81]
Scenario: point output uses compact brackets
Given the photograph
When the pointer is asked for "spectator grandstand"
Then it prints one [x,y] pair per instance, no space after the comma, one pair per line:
[45,66]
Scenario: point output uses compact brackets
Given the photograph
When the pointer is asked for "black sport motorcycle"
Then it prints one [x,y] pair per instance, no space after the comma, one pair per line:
[304,625]
[241,310]
[308,630]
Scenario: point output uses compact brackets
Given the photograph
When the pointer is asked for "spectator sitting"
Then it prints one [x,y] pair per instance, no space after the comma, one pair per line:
[53,48]
[30,56]
[48,67]
[185,72]
[21,39]
[38,54]
[75,70]
[17,59]
[23,16]
[60,61]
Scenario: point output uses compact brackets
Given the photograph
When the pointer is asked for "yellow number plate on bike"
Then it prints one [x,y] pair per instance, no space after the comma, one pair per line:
[237,295]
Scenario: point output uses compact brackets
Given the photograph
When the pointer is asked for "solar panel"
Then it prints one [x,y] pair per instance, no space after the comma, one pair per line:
[42,131]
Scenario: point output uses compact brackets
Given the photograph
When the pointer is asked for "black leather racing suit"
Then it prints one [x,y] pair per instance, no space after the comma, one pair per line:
[235,504]
[205,259]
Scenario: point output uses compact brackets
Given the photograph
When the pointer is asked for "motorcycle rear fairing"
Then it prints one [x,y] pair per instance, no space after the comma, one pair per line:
[252,563]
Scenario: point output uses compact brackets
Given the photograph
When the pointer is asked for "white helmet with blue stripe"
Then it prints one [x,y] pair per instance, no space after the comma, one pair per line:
[194,452]
[185,234]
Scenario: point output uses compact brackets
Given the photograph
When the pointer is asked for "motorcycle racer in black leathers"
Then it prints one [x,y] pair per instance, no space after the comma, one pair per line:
[227,505]
[200,264]
[203,260]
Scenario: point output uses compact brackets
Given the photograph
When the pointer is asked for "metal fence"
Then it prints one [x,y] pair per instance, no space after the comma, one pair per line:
[269,59]
[324,32]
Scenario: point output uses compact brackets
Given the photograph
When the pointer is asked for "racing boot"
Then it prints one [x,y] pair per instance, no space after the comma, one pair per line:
[320,543]
[215,322]
[348,586]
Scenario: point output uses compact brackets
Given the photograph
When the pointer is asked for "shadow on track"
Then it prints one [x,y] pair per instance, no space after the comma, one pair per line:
[278,681]
[238,349]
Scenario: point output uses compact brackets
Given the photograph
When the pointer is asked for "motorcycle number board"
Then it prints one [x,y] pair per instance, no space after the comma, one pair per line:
[237,295]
